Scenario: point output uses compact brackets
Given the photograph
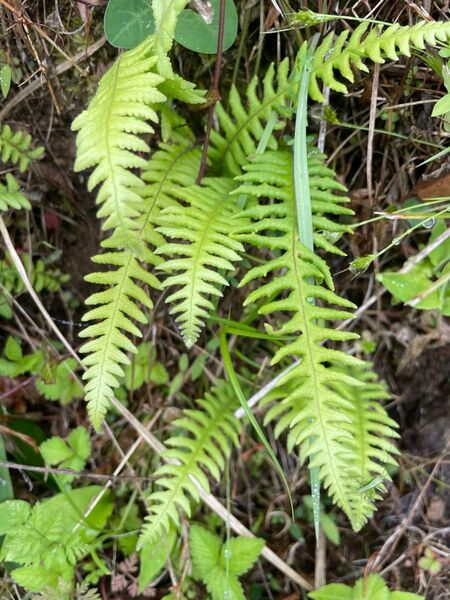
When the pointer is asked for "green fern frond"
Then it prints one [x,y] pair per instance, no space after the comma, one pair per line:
[199,448]
[15,147]
[114,308]
[241,127]
[380,42]
[314,411]
[108,135]
[169,167]
[11,196]
[204,224]
[370,444]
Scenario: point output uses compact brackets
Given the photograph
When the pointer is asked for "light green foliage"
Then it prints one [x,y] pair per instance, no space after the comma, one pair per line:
[201,442]
[59,382]
[430,562]
[241,127]
[11,196]
[43,277]
[15,363]
[67,455]
[427,285]
[372,587]
[169,168]
[204,224]
[109,130]
[219,565]
[15,147]
[374,43]
[42,540]
[144,368]
[370,444]
[314,409]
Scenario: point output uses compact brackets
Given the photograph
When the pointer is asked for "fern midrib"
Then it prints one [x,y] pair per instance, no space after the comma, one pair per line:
[311,352]
[108,153]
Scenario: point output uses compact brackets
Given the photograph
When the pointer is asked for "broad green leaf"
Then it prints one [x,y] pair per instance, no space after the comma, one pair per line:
[13,350]
[5,79]
[13,513]
[372,587]
[442,252]
[404,286]
[128,22]
[330,528]
[222,585]
[333,591]
[55,450]
[442,106]
[36,578]
[153,557]
[194,33]
[79,441]
[242,553]
[158,374]
[205,550]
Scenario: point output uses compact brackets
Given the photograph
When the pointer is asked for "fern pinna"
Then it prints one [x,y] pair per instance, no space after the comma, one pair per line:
[313,411]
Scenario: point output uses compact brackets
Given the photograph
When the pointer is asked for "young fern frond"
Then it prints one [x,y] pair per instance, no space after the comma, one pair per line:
[11,196]
[15,147]
[314,411]
[108,136]
[168,168]
[241,127]
[380,42]
[204,222]
[370,444]
[199,448]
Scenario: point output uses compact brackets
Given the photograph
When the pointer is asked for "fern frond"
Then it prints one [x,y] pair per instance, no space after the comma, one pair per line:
[380,42]
[241,127]
[114,308]
[15,147]
[199,448]
[204,224]
[370,444]
[169,167]
[314,411]
[108,135]
[11,196]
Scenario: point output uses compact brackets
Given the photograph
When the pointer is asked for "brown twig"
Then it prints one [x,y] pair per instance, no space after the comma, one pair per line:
[55,471]
[214,92]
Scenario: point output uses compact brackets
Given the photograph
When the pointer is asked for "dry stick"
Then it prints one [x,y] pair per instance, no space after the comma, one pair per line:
[215,92]
[370,137]
[59,70]
[151,440]
[211,501]
[53,471]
